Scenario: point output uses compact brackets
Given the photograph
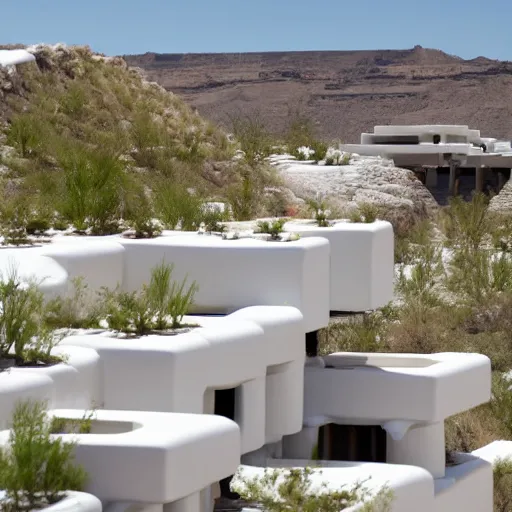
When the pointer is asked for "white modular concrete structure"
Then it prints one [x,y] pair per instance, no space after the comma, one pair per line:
[150,457]
[361,263]
[16,386]
[76,381]
[426,389]
[233,274]
[248,350]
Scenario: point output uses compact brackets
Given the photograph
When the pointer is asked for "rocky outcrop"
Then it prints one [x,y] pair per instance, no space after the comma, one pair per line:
[400,196]
[502,203]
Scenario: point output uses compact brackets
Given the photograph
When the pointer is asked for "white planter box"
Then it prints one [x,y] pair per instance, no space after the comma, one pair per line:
[467,486]
[16,386]
[98,261]
[77,381]
[29,263]
[152,457]
[153,373]
[361,263]
[430,387]
[234,274]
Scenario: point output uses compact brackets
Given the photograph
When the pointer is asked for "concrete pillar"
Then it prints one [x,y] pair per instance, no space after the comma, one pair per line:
[191,503]
[479,179]
[421,446]
[454,174]
[431,178]
[301,445]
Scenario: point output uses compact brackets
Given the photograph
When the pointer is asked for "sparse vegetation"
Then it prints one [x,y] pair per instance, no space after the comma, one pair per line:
[274,228]
[36,468]
[160,305]
[282,490]
[454,296]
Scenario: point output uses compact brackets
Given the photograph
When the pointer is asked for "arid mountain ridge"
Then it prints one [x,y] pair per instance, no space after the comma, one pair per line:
[344,92]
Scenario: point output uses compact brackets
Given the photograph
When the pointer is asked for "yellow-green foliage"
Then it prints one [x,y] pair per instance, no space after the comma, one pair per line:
[92,134]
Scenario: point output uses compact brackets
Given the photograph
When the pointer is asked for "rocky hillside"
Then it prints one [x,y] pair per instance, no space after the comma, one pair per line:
[345,93]
[86,137]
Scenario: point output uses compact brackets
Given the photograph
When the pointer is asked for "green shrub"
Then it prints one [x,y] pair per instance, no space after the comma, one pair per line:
[282,490]
[320,211]
[78,311]
[176,207]
[365,213]
[253,137]
[36,468]
[160,305]
[502,477]
[273,228]
[25,134]
[243,199]
[93,189]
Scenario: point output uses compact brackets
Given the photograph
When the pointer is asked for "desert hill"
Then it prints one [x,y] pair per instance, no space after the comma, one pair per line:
[344,92]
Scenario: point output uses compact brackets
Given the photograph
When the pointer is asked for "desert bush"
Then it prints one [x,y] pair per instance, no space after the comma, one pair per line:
[282,490]
[212,217]
[23,334]
[253,137]
[273,228]
[36,468]
[25,133]
[160,305]
[78,311]
[465,223]
[243,198]
[364,334]
[502,477]
[320,212]
[365,213]
[176,207]
[92,188]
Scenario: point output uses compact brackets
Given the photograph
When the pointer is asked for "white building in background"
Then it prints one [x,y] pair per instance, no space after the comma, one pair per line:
[425,148]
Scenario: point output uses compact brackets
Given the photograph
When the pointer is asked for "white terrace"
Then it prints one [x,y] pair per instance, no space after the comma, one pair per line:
[154,440]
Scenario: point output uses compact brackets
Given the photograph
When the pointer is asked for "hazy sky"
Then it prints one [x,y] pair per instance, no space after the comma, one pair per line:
[467,28]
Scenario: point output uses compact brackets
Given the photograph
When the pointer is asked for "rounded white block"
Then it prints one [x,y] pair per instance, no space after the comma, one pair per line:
[30,264]
[76,502]
[361,263]
[468,485]
[99,262]
[77,381]
[233,274]
[156,457]
[16,386]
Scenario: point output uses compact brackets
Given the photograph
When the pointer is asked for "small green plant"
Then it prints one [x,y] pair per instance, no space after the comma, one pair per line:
[273,228]
[282,490]
[78,311]
[212,217]
[320,212]
[158,306]
[73,426]
[36,468]
[366,213]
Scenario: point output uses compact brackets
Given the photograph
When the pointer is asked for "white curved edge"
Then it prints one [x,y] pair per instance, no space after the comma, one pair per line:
[13,57]
[412,487]
[76,502]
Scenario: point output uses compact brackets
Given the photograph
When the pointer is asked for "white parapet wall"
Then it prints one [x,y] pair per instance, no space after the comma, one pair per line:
[362,262]
[151,457]
[233,274]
